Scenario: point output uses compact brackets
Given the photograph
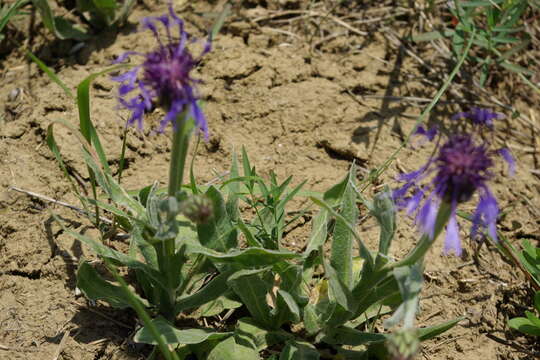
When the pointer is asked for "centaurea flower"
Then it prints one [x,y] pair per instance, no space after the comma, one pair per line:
[164,77]
[479,116]
[460,169]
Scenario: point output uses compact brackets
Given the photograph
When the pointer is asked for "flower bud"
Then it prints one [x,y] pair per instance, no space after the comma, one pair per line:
[403,345]
[197,208]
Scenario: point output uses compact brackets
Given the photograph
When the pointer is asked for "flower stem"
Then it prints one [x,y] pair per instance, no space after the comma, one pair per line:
[426,241]
[180,144]
[166,250]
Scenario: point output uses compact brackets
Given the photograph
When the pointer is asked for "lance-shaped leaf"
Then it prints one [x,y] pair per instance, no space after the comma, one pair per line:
[94,287]
[252,286]
[250,257]
[346,336]
[249,331]
[384,211]
[430,332]
[210,292]
[319,229]
[218,233]
[341,256]
[409,279]
[233,348]
[175,336]
[116,256]
[296,350]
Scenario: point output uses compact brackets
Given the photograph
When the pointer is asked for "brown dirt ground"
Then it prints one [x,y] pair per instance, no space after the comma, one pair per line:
[296,99]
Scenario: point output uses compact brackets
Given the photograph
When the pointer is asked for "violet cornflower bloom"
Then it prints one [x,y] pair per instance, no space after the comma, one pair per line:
[460,169]
[479,116]
[164,76]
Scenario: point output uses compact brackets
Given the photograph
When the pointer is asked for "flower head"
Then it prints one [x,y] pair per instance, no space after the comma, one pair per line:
[164,77]
[479,116]
[461,168]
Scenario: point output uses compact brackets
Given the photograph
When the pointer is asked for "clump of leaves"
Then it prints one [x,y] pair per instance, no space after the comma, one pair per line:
[500,29]
[100,14]
[531,323]
[530,259]
[7,12]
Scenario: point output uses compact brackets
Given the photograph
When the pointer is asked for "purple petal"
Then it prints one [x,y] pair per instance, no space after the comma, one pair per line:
[175,17]
[125,56]
[429,134]
[407,177]
[452,241]
[507,156]
[426,217]
[399,194]
[411,205]
[485,216]
[172,116]
[199,118]
[460,115]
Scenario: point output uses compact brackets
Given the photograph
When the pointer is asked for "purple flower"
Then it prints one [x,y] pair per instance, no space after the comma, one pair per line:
[460,169]
[479,116]
[164,76]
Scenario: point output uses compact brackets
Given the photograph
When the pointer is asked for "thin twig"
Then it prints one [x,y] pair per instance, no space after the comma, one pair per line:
[307,13]
[119,323]
[534,354]
[61,346]
[58,202]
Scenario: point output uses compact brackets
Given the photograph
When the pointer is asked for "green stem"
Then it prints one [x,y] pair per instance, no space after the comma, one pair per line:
[143,315]
[166,250]
[180,144]
[378,172]
[426,241]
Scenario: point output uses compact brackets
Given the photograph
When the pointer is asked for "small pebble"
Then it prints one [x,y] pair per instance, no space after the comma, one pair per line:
[14,94]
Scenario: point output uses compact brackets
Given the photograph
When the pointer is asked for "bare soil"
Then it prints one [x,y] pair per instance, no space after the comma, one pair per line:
[306,98]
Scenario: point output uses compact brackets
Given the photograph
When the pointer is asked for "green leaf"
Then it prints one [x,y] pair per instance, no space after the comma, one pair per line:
[175,336]
[409,279]
[94,287]
[479,3]
[311,319]
[430,332]
[385,212]
[250,257]
[218,233]
[50,73]
[249,331]
[374,289]
[60,27]
[234,190]
[295,350]
[220,20]
[533,319]
[432,35]
[516,68]
[8,11]
[217,306]
[364,251]
[233,348]
[346,336]
[252,287]
[119,257]
[284,298]
[210,292]
[85,122]
[342,242]
[338,291]
[524,325]
[319,228]
[250,238]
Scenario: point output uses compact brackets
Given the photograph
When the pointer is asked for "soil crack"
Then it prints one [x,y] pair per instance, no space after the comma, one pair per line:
[32,275]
